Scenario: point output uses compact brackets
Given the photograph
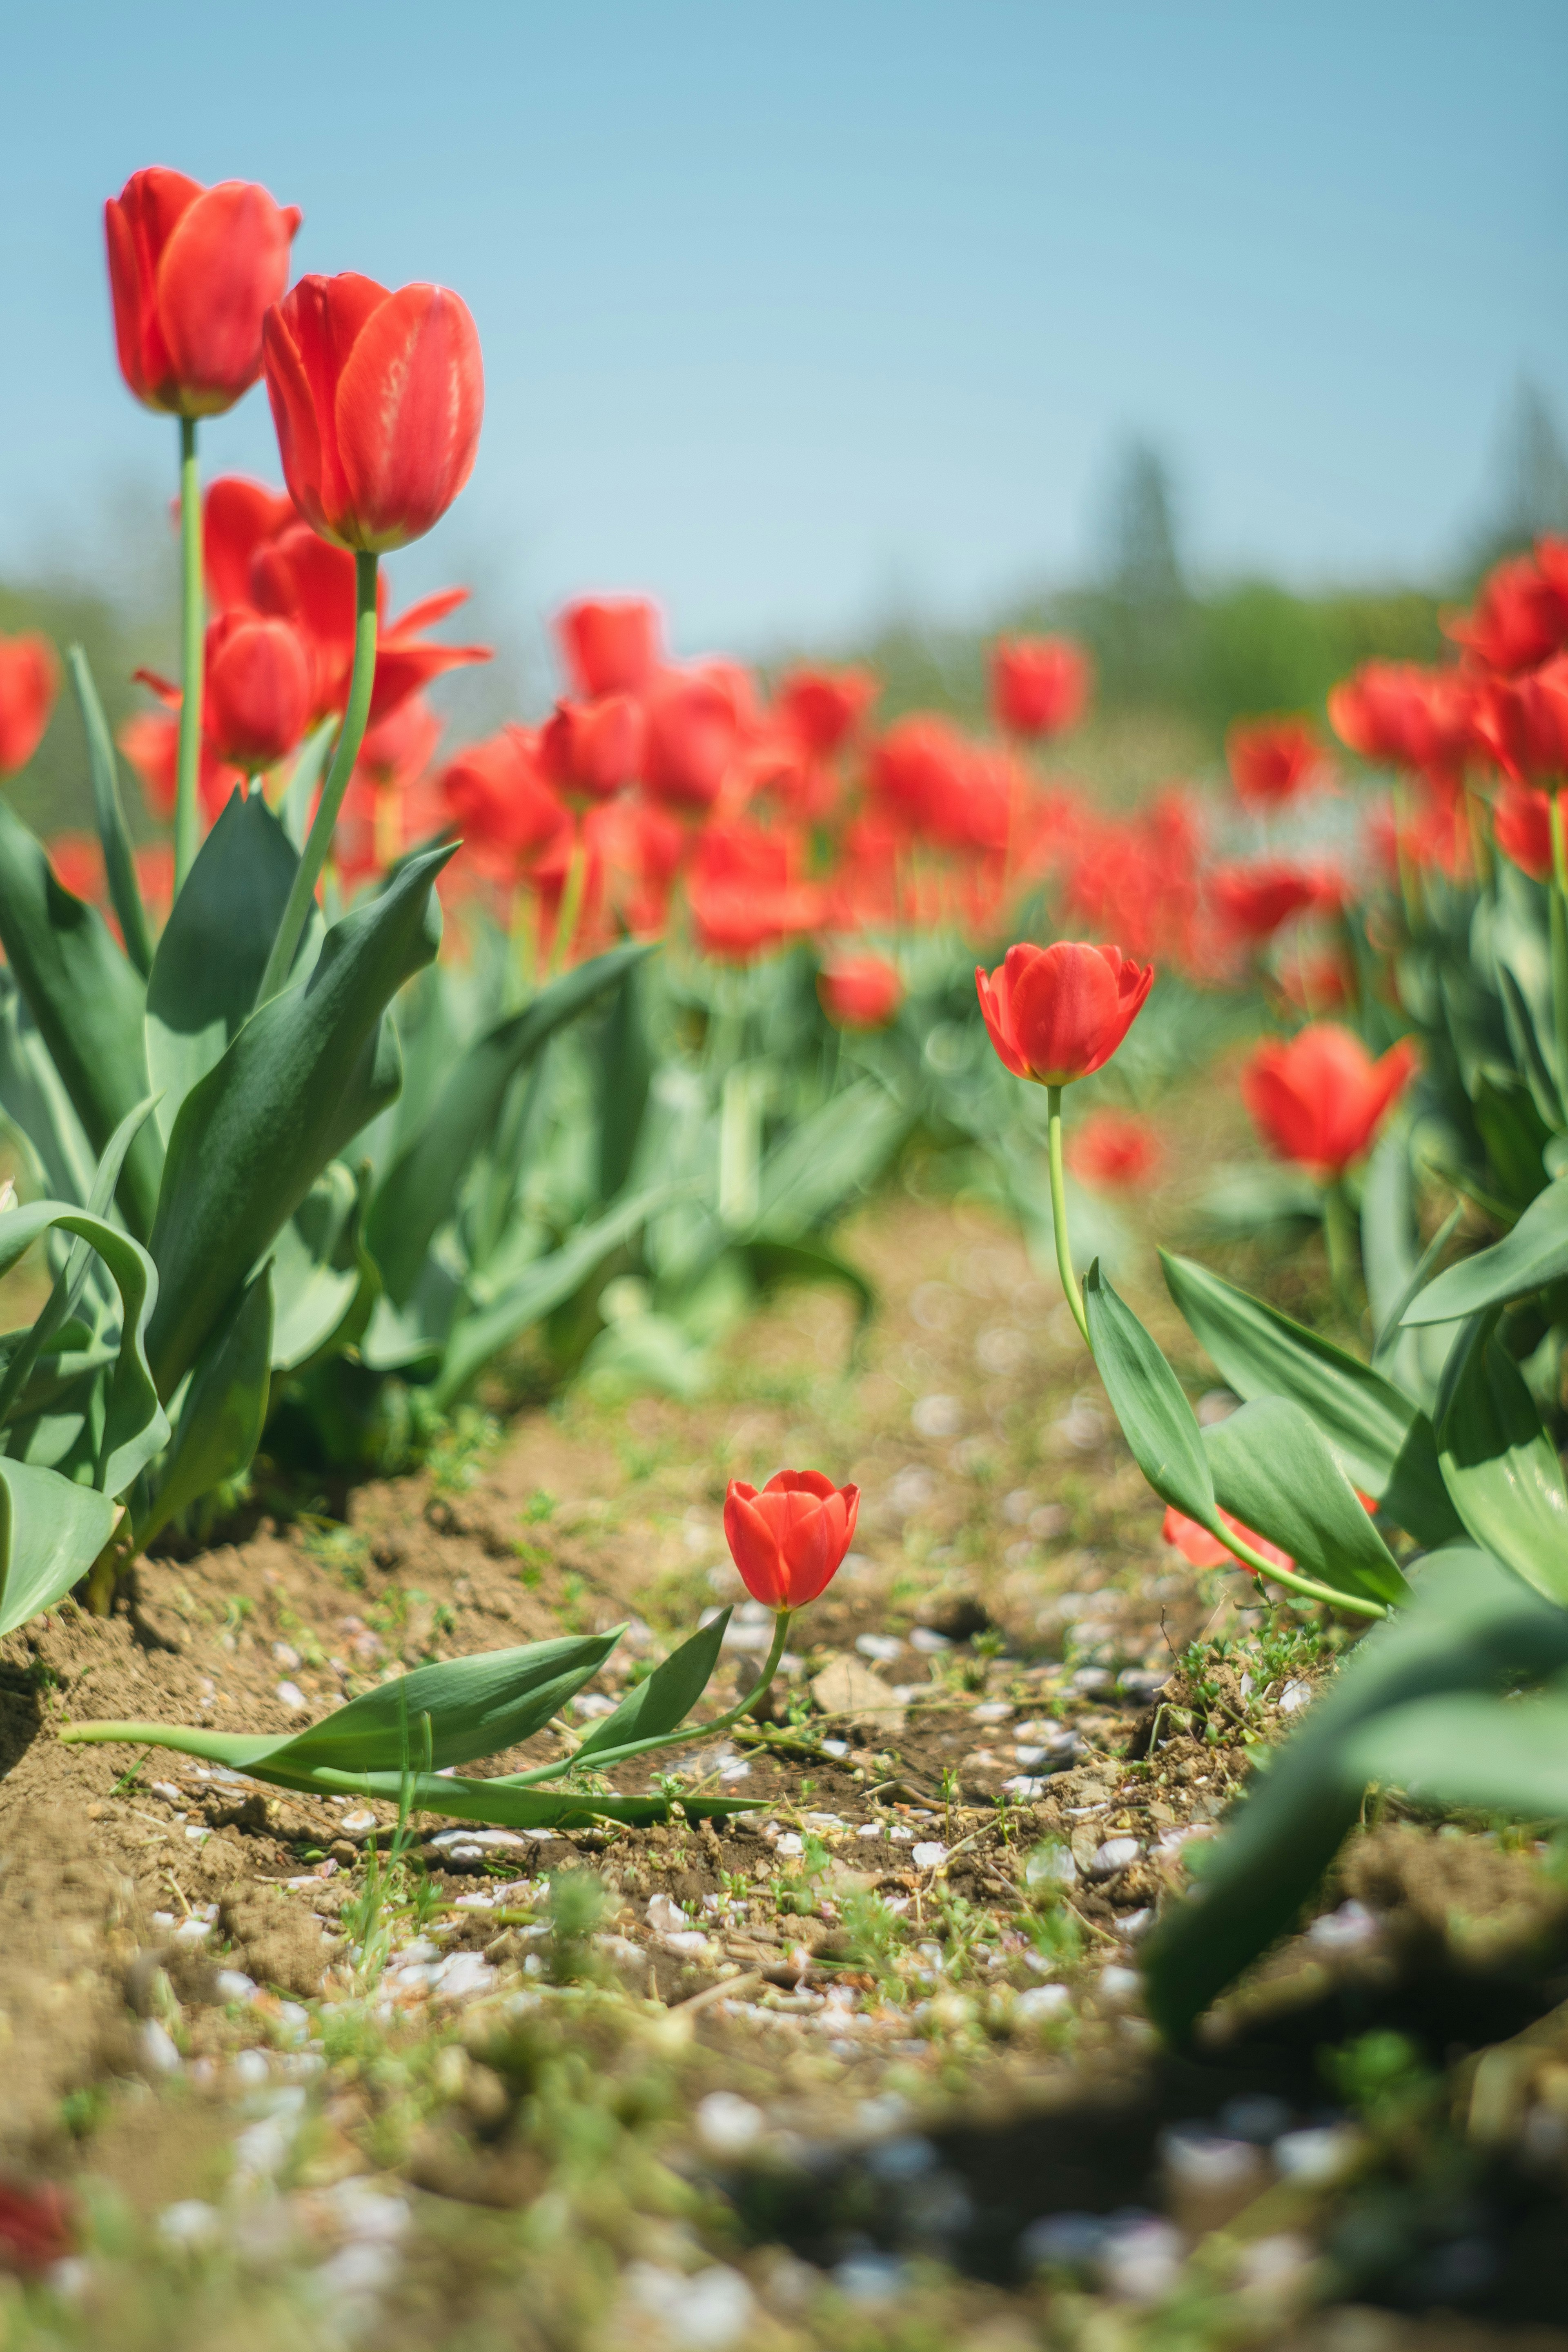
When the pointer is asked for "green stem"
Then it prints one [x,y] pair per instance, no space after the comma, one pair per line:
[187,813]
[1338,1235]
[601,1759]
[571,905]
[1308,1586]
[302,893]
[1060,1214]
[1558,909]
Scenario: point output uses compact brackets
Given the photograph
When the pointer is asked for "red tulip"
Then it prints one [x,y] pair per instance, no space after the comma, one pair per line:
[1057,1013]
[1522,826]
[155,878]
[496,795]
[1204,1550]
[1257,899]
[744,892]
[37,2226]
[693,740]
[1520,618]
[29,681]
[1039,685]
[1407,716]
[859,991]
[149,740]
[1274,759]
[407,662]
[920,771]
[592,749]
[377,398]
[239,518]
[1319,1100]
[1111,1149]
[257,700]
[789,1541]
[611,643]
[640,848]
[821,708]
[396,750]
[78,862]
[1523,721]
[192,272]
[301,578]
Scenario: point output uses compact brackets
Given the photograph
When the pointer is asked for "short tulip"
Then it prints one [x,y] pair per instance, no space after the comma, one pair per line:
[859,991]
[1522,827]
[1518,619]
[611,643]
[1202,1550]
[29,681]
[1058,1014]
[1319,1098]
[192,271]
[1273,760]
[1523,723]
[1111,1150]
[377,398]
[1254,900]
[693,740]
[239,517]
[257,702]
[590,750]
[821,708]
[1039,685]
[789,1541]
[496,795]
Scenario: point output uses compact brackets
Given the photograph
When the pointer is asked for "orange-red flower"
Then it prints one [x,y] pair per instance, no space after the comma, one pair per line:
[590,750]
[498,797]
[693,739]
[1319,1098]
[256,699]
[296,576]
[78,862]
[745,894]
[1039,685]
[1407,716]
[192,272]
[149,740]
[1205,1550]
[37,2226]
[1058,1014]
[919,771]
[29,681]
[1272,760]
[1113,1149]
[859,991]
[377,398]
[789,1540]
[1256,900]
[821,708]
[1518,619]
[1523,721]
[1522,826]
[240,516]
[611,643]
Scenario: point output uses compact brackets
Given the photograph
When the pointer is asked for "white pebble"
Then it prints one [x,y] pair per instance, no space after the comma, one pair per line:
[1317,2155]
[705,2314]
[292,1697]
[727,2124]
[929,1854]
[1041,2001]
[884,1647]
[158,2047]
[1115,1854]
[1294,1696]
[1120,1987]
[1022,1784]
[189,2223]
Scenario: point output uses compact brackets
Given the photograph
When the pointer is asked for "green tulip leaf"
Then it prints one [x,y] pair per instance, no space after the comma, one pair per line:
[119,1411]
[663,1702]
[1159,1424]
[1534,1254]
[103,774]
[1501,1468]
[223,1412]
[316,1273]
[51,1531]
[1274,1472]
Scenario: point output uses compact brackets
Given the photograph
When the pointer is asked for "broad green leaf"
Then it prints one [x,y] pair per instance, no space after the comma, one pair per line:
[775,1261]
[828,1158]
[223,1412]
[1157,1421]
[215,948]
[1500,1466]
[51,1531]
[474,1339]
[1533,1255]
[505,1806]
[1390,1241]
[1495,1753]
[1514,1134]
[664,1701]
[304,776]
[1470,1626]
[1274,1472]
[87,1002]
[476,1705]
[315,1272]
[301,1079]
[55,1152]
[119,864]
[1383,1441]
[420,1189]
[625,1072]
[1535,1048]
[121,1404]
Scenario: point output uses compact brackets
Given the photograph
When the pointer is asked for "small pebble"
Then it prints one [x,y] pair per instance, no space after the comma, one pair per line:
[292,1697]
[929,1854]
[728,2124]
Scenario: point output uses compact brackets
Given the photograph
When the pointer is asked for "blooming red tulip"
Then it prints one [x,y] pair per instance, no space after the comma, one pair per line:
[1057,1013]
[1319,1098]
[1274,759]
[1039,685]
[591,749]
[821,708]
[1522,826]
[859,991]
[239,518]
[396,750]
[745,894]
[296,576]
[1407,716]
[693,740]
[496,795]
[257,700]
[611,643]
[1520,618]
[920,771]
[1205,1551]
[789,1541]
[29,681]
[377,398]
[1111,1150]
[1523,721]
[192,272]
[1257,899]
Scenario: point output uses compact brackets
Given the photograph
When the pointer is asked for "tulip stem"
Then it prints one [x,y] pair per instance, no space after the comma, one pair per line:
[1307,1586]
[570,902]
[1339,1236]
[600,1759]
[187,821]
[1059,1216]
[302,893]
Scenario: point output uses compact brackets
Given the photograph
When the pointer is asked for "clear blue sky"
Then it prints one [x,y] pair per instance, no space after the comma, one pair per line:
[791,312]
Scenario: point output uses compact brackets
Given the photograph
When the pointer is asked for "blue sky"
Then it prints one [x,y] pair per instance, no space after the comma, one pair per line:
[797,315]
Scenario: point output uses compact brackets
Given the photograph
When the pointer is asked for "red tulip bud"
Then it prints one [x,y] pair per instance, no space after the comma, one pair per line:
[29,681]
[1058,1014]
[192,272]
[789,1541]
[258,697]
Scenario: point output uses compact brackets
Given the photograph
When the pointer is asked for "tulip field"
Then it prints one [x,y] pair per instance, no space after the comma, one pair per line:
[783,1555]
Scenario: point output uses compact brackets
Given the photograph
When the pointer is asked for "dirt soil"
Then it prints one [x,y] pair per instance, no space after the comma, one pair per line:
[865,2065]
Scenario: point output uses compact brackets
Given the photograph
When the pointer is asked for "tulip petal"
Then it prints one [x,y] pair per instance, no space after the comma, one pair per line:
[408,408]
[226,262]
[1065,1005]
[308,339]
[992,992]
